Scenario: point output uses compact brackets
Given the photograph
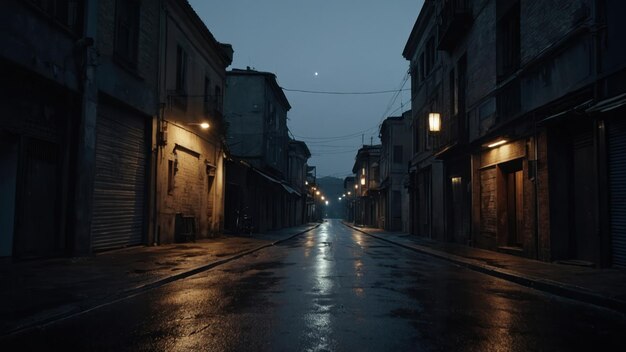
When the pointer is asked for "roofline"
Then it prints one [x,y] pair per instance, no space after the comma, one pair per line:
[225,51]
[418,30]
[269,76]
[302,145]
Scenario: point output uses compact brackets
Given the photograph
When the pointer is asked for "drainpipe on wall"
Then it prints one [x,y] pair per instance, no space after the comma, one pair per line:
[86,144]
[159,137]
[536,186]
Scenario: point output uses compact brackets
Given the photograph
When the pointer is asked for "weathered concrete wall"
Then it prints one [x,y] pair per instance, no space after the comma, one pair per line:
[195,193]
[196,153]
[244,108]
[30,39]
[133,86]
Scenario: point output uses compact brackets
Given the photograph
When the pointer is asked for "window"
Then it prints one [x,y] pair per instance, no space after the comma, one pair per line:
[430,55]
[414,78]
[453,94]
[507,38]
[67,13]
[207,95]
[127,31]
[181,71]
[218,98]
[461,84]
[171,171]
[397,154]
[422,68]
[416,137]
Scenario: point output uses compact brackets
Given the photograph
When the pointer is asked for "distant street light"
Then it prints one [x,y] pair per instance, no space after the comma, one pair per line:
[326,202]
[323,198]
[318,193]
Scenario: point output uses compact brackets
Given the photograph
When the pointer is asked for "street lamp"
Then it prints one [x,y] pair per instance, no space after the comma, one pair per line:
[434,122]
[317,193]
[326,202]
[323,198]
[204,125]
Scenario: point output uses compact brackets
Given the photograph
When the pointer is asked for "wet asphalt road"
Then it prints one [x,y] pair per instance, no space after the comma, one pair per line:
[336,289]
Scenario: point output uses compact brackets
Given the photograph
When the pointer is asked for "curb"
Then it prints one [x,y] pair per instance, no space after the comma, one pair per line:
[541,284]
[73,310]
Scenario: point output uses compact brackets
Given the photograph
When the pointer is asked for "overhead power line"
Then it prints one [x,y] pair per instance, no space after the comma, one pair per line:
[340,93]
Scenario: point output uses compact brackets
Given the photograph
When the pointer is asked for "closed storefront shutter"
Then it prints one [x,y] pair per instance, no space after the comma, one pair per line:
[119,190]
[617,189]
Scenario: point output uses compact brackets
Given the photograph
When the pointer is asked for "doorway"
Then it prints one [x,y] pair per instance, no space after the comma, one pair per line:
[8,178]
[511,205]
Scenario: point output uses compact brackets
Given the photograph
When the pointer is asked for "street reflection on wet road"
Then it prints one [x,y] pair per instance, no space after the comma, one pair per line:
[337,289]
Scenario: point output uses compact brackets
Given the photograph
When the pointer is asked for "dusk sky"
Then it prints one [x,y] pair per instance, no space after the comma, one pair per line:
[353,46]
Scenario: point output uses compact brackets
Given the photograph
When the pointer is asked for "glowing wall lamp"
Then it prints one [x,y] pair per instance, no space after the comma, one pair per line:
[434,122]
[497,143]
[204,125]
[362,181]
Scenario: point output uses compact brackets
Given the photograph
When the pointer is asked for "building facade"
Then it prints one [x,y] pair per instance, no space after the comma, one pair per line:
[127,42]
[92,124]
[367,175]
[191,127]
[528,97]
[256,112]
[42,98]
[396,139]
[427,180]
[299,154]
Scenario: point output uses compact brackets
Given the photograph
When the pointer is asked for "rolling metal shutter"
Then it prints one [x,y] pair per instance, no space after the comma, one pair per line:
[617,189]
[119,190]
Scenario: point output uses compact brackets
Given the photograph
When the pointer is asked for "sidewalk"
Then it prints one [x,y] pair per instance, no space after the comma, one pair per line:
[34,293]
[602,287]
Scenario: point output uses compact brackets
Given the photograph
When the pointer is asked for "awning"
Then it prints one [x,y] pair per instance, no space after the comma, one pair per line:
[290,190]
[268,177]
[285,186]
[561,114]
[609,104]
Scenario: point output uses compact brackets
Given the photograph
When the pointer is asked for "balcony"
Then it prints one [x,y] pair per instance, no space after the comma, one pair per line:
[455,18]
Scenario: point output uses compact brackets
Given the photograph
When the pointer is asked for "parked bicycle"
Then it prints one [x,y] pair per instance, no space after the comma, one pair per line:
[243,222]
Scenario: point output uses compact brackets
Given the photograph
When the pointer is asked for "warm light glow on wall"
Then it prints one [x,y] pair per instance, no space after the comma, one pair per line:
[434,122]
[456,180]
[498,143]
[362,181]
